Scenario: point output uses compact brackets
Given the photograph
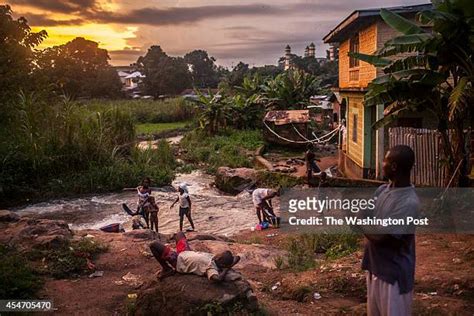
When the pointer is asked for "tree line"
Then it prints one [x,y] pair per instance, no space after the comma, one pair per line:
[81,69]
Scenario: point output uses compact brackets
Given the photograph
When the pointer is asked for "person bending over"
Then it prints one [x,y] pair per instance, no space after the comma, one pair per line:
[262,200]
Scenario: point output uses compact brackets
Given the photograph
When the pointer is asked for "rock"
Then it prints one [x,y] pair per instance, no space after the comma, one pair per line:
[234,180]
[146,234]
[8,216]
[177,295]
[209,237]
[38,233]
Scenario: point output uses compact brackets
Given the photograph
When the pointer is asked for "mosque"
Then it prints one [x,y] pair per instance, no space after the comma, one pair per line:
[310,52]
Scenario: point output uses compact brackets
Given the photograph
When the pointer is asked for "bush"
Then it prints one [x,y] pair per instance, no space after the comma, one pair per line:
[18,280]
[72,259]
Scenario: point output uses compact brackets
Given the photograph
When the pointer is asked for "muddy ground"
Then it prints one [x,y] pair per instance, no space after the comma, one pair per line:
[444,277]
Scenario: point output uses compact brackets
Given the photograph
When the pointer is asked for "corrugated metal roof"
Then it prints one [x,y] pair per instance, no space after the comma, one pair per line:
[287,117]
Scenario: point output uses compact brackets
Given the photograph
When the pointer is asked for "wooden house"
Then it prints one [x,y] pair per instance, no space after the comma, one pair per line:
[364,31]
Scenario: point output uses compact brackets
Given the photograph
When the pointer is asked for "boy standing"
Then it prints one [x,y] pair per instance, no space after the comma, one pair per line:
[184,206]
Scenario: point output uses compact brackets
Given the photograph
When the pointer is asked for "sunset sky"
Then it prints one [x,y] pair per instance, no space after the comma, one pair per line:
[255,32]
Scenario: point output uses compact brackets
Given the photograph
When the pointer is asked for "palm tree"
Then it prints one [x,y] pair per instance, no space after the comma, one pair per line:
[436,75]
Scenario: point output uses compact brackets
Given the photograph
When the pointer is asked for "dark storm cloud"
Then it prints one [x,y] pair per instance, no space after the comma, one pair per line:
[126,52]
[181,15]
[60,6]
[43,20]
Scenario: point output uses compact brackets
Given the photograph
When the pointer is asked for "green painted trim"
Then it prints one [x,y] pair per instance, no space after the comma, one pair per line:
[367,157]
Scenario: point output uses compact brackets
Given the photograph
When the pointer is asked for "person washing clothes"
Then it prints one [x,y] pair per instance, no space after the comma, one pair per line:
[184,206]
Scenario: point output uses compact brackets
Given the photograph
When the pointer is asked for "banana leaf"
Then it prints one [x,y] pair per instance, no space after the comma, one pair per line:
[399,23]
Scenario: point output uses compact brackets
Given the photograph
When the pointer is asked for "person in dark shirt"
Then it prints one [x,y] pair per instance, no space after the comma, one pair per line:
[389,255]
[311,165]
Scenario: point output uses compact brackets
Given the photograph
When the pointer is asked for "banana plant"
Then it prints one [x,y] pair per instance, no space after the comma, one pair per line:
[213,112]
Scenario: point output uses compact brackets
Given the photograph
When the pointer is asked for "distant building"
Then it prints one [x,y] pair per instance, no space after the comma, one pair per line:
[131,80]
[287,57]
[191,94]
[309,52]
[333,52]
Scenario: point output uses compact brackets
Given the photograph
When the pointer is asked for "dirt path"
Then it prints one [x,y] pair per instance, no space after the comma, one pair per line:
[444,277]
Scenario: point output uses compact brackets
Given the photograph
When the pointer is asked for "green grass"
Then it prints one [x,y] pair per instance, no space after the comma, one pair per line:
[302,248]
[148,111]
[230,148]
[156,128]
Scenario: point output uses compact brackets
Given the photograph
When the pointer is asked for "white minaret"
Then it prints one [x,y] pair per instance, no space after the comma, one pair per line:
[312,50]
[287,57]
[306,51]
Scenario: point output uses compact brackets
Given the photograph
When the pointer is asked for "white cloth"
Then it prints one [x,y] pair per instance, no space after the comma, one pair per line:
[183,200]
[184,187]
[199,263]
[258,195]
[384,299]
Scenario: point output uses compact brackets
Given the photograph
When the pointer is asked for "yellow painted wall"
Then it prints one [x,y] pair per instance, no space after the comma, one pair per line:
[367,72]
[355,150]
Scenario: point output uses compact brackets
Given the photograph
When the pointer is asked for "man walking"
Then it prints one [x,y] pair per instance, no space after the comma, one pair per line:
[389,256]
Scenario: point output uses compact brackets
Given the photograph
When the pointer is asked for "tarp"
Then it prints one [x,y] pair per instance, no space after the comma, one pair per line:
[287,117]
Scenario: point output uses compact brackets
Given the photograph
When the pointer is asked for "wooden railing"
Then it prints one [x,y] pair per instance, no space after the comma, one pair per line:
[354,75]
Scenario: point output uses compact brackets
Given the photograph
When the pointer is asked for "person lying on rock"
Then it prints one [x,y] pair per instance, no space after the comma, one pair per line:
[181,242]
[215,268]
[262,200]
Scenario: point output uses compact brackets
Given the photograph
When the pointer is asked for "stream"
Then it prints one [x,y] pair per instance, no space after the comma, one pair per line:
[213,212]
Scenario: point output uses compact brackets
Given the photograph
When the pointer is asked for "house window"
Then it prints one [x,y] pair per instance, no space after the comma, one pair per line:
[354,48]
[354,128]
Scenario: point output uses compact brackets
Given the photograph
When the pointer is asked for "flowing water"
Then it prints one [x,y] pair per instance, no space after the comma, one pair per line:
[212,211]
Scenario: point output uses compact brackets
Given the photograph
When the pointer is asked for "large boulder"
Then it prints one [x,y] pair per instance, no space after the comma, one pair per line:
[37,233]
[8,216]
[147,234]
[235,180]
[187,294]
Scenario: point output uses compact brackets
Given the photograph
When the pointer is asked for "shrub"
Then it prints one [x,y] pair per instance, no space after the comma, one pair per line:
[72,259]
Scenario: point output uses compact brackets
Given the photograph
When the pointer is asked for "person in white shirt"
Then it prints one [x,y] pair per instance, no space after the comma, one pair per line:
[184,206]
[262,200]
